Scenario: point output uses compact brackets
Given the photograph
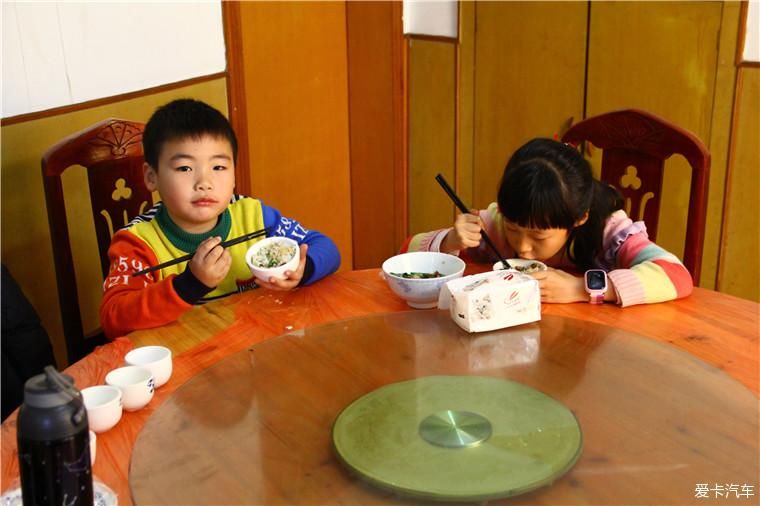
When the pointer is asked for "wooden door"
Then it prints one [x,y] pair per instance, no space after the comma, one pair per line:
[517,72]
[294,69]
[432,131]
[376,96]
[528,82]
[739,269]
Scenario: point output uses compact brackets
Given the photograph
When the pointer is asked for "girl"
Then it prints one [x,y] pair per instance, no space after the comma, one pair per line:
[551,209]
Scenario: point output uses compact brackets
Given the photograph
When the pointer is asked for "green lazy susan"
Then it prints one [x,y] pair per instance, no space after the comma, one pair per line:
[457,438]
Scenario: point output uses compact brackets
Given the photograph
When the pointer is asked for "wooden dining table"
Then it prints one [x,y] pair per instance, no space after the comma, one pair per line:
[710,335]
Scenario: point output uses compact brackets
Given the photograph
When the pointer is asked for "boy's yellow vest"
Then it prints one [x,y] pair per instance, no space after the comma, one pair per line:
[246,217]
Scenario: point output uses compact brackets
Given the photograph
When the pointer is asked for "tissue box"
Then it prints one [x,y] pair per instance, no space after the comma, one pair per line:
[492,300]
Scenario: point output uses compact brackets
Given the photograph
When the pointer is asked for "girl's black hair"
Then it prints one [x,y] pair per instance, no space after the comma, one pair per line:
[181,119]
[547,184]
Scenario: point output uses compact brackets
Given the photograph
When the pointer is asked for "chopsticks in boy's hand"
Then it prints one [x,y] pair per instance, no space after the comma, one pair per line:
[458,202]
[225,244]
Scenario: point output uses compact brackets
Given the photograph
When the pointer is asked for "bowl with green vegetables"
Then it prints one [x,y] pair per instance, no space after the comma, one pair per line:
[417,277]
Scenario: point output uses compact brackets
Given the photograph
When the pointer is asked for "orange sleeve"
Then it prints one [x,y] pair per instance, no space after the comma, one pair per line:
[136,302]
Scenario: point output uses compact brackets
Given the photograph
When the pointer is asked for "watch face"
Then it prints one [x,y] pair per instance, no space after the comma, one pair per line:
[596,280]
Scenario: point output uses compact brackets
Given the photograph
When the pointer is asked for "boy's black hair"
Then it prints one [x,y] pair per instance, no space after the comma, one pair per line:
[547,184]
[181,119]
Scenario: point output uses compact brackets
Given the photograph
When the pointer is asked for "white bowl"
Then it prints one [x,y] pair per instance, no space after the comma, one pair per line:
[267,272]
[156,359]
[521,265]
[136,385]
[93,447]
[103,404]
[421,293]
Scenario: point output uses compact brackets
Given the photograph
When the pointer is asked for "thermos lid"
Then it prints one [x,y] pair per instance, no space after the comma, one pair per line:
[53,408]
[50,389]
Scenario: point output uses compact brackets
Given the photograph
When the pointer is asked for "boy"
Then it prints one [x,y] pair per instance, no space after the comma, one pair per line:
[190,151]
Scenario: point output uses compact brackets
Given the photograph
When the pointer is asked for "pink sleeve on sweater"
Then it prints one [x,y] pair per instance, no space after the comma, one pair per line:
[493,224]
[679,276]
[641,271]
[627,251]
[618,228]
[425,241]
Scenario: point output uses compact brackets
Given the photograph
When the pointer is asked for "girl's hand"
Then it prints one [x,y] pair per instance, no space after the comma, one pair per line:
[211,262]
[559,286]
[292,278]
[465,234]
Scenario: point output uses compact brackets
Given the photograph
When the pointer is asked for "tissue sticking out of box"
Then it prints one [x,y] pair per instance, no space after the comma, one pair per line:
[492,300]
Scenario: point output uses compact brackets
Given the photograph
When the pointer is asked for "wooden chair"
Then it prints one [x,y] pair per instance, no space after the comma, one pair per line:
[635,146]
[111,152]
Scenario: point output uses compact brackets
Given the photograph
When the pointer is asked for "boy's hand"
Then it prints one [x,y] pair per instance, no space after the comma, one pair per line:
[292,278]
[560,286]
[211,262]
[466,233]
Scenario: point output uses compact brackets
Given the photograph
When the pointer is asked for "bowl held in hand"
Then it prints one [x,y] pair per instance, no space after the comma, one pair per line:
[272,256]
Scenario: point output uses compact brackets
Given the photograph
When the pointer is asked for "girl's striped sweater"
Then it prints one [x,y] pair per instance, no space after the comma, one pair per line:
[641,271]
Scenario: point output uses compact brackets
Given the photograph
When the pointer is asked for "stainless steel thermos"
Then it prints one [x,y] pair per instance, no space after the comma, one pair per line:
[54,442]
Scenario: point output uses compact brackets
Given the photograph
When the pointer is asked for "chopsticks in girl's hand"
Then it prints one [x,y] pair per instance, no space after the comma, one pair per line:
[225,244]
[458,202]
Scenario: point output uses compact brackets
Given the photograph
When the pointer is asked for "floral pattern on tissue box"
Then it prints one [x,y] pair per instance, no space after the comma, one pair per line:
[492,300]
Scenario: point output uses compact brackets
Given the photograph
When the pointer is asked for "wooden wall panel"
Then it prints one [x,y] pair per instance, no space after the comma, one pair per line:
[233,42]
[660,57]
[376,87]
[739,272]
[529,77]
[295,68]
[465,123]
[720,130]
[432,101]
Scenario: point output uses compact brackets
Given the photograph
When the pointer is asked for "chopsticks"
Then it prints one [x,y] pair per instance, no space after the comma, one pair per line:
[458,202]
[184,258]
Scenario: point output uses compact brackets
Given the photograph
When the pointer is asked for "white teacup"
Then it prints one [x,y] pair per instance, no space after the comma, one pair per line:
[103,404]
[93,447]
[157,359]
[136,385]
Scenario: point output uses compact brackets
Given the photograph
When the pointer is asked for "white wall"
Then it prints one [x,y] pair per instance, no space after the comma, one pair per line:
[431,17]
[62,53]
[752,34]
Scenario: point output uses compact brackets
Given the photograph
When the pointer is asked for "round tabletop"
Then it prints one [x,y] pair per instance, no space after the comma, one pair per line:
[658,424]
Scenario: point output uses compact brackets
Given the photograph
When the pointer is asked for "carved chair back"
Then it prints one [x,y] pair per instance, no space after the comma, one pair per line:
[111,152]
[635,145]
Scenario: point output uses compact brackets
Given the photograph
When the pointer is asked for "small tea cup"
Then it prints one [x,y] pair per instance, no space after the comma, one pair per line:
[136,384]
[103,404]
[93,447]
[156,359]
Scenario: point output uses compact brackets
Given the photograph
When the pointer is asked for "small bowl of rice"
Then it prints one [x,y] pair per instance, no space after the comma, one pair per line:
[272,256]
[521,265]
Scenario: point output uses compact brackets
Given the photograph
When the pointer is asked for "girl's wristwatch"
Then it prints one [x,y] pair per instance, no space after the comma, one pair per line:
[596,285]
